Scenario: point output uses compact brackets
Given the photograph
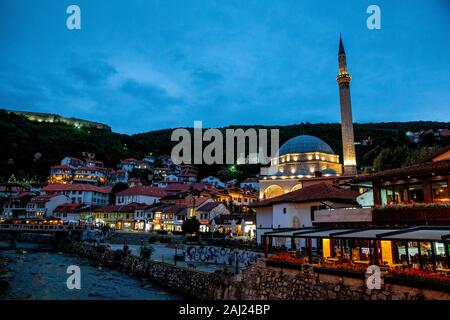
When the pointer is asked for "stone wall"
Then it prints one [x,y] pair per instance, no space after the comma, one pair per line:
[193,283]
[257,282]
[38,238]
[261,282]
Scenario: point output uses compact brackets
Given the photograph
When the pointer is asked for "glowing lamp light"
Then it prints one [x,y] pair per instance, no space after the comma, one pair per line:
[351,162]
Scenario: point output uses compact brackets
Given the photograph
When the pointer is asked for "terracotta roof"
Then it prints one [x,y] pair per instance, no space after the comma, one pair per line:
[75,187]
[207,207]
[438,153]
[128,208]
[129,160]
[86,168]
[185,187]
[43,198]
[177,209]
[76,159]
[143,191]
[421,169]
[61,167]
[71,208]
[321,191]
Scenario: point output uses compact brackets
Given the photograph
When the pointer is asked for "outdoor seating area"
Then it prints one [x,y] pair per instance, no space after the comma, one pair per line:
[424,248]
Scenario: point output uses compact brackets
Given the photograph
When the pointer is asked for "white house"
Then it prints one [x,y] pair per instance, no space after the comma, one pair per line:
[140,194]
[250,183]
[72,162]
[43,206]
[81,193]
[296,209]
[208,211]
[214,181]
[128,164]
[70,212]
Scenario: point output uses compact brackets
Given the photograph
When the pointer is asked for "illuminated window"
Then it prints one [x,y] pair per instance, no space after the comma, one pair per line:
[440,191]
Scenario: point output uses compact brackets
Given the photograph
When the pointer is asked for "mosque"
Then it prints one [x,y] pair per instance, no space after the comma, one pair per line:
[305,160]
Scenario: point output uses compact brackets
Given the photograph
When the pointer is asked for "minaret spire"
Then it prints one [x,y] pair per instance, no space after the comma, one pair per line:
[341,45]
[348,140]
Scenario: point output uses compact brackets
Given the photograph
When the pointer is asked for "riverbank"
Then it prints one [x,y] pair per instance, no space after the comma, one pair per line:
[258,282]
[34,272]
[192,283]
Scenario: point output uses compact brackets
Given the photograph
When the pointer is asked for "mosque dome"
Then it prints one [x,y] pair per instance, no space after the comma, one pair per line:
[304,144]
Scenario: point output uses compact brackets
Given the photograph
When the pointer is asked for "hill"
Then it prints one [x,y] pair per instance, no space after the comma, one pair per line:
[29,148]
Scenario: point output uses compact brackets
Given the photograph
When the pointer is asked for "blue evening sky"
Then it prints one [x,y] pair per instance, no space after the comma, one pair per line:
[140,65]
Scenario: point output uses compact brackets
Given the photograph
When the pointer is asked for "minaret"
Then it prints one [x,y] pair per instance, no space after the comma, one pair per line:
[348,140]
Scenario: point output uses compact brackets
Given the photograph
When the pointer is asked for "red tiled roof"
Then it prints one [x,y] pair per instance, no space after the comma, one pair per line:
[185,187]
[61,167]
[76,159]
[317,192]
[71,208]
[21,196]
[75,187]
[86,168]
[144,191]
[207,207]
[43,198]
[129,160]
[128,208]
[438,153]
[421,169]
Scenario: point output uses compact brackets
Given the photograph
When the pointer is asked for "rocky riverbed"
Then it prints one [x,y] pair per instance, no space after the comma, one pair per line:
[37,273]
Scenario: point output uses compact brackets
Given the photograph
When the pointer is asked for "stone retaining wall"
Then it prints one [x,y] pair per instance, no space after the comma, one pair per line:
[38,238]
[193,283]
[258,282]
[262,282]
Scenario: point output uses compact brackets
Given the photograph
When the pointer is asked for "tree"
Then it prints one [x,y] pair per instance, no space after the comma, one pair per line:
[191,225]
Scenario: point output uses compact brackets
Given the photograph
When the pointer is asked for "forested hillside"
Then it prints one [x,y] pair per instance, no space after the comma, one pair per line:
[29,148]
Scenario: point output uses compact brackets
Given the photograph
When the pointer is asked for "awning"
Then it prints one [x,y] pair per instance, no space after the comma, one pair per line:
[371,233]
[425,233]
[421,233]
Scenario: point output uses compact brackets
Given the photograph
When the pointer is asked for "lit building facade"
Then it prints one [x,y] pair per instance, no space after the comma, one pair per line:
[300,159]
[305,159]
[348,140]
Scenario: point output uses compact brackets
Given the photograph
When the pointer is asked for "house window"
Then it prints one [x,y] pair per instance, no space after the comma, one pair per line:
[284,210]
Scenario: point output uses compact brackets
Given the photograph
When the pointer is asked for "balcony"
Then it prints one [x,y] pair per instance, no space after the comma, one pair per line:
[402,214]
[342,215]
[435,214]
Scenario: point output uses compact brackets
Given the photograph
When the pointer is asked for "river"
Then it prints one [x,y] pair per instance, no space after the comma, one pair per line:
[35,273]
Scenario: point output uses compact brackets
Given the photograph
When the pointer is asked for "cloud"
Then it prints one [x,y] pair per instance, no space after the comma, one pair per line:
[149,93]
[93,73]
[206,78]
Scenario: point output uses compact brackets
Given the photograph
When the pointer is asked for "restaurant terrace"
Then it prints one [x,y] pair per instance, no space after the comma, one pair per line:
[422,247]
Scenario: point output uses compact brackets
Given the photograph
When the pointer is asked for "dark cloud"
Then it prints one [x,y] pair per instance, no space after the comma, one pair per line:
[93,73]
[205,78]
[149,93]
